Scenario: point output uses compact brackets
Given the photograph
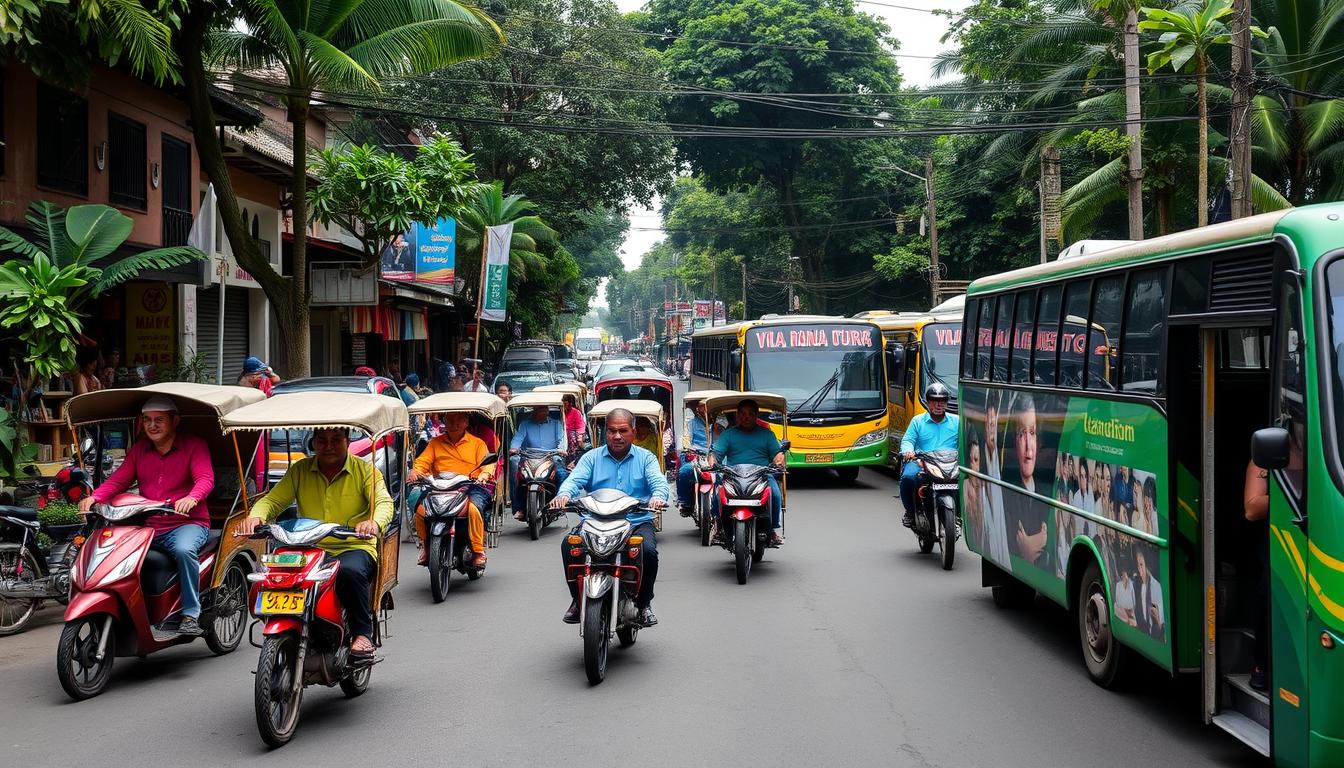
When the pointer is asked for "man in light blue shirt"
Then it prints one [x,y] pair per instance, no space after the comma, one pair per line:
[935,430]
[540,432]
[750,443]
[686,472]
[623,466]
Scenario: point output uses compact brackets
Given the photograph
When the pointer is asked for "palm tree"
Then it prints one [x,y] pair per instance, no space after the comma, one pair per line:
[338,47]
[1188,37]
[490,207]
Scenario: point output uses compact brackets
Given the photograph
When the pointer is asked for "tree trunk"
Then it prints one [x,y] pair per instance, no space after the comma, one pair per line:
[191,43]
[1163,212]
[1202,198]
[1133,114]
[298,341]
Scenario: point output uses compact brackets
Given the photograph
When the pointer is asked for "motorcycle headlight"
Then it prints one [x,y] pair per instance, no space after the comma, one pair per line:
[602,543]
[122,570]
[876,436]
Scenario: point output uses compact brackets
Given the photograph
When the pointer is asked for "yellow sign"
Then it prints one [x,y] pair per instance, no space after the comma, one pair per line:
[281,603]
[151,330]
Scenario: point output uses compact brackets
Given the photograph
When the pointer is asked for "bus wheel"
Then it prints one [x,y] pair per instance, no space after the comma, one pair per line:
[847,474]
[1103,655]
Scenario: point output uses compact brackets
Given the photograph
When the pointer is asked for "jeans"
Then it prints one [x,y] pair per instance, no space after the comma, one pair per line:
[519,503]
[184,543]
[686,484]
[647,578]
[776,506]
[909,483]
[354,588]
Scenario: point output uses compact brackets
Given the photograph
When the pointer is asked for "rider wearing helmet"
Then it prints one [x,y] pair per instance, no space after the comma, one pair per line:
[935,430]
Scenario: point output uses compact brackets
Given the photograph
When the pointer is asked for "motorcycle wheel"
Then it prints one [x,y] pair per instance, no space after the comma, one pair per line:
[758,552]
[925,544]
[278,689]
[705,520]
[224,631]
[440,563]
[847,474]
[81,675]
[596,642]
[627,635]
[15,613]
[948,539]
[534,516]
[742,551]
[357,682]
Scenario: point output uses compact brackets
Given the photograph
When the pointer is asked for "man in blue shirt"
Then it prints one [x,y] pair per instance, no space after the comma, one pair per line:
[623,466]
[750,443]
[686,473]
[539,432]
[935,430]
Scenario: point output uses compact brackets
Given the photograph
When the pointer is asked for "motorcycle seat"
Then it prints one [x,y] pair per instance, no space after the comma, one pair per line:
[18,513]
[160,570]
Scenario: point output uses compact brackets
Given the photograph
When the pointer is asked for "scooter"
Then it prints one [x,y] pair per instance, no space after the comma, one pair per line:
[609,578]
[536,480]
[936,512]
[744,503]
[126,601]
[448,543]
[702,503]
[36,555]
[303,625]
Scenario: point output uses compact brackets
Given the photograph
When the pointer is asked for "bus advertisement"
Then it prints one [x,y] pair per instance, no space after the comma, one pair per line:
[831,371]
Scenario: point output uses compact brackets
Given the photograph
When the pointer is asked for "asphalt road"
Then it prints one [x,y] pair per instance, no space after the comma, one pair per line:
[846,648]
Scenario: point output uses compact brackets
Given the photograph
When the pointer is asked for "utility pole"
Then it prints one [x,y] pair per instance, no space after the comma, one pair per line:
[935,273]
[713,286]
[744,289]
[1050,190]
[1239,173]
[1133,120]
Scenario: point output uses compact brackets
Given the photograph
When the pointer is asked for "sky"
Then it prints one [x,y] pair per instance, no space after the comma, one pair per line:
[918,32]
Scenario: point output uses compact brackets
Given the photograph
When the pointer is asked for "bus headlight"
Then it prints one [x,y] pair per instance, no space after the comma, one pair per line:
[876,436]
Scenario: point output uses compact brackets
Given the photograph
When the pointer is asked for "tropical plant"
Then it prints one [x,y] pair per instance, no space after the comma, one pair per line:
[1188,36]
[489,207]
[43,293]
[334,47]
[135,32]
[15,450]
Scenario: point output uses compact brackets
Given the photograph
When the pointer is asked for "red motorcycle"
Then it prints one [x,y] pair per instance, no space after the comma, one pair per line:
[305,638]
[702,503]
[126,601]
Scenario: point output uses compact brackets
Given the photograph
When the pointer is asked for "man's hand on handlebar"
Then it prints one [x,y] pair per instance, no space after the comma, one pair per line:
[185,505]
[86,504]
[657,503]
[908,455]
[559,502]
[413,476]
[249,525]
[367,528]
[513,451]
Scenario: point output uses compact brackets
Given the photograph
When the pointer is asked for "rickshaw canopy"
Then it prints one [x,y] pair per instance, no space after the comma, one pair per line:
[374,415]
[646,408]
[569,388]
[550,399]
[724,400]
[193,401]
[483,403]
[691,399]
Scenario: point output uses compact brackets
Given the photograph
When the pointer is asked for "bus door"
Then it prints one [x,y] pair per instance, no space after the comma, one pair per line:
[900,408]
[1217,556]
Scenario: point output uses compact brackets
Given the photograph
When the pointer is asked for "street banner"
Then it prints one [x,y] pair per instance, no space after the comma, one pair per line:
[435,251]
[397,261]
[495,275]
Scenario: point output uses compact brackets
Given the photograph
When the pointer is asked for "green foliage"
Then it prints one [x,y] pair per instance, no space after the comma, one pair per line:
[44,34]
[376,195]
[193,367]
[15,450]
[903,261]
[59,513]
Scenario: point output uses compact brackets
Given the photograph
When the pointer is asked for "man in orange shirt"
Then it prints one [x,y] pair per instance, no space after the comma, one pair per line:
[459,452]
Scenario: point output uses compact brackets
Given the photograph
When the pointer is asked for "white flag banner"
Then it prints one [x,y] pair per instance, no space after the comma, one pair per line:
[495,273]
[202,234]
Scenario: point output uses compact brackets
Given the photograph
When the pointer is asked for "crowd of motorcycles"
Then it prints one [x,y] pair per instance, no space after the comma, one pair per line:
[311,636]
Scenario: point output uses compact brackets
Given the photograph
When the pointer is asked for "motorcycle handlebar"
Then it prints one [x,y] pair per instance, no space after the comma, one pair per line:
[343,532]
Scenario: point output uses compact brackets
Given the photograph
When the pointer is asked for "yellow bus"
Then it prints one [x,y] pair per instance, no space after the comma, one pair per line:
[927,348]
[831,370]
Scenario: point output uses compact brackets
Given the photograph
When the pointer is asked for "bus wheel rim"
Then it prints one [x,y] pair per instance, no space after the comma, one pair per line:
[1098,636]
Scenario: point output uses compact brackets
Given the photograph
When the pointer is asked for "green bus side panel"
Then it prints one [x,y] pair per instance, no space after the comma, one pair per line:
[1186,576]
[1288,694]
[1032,443]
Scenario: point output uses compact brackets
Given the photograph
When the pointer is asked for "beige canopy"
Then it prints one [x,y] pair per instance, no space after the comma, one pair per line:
[569,388]
[647,408]
[461,402]
[193,402]
[690,399]
[722,400]
[551,399]
[374,415]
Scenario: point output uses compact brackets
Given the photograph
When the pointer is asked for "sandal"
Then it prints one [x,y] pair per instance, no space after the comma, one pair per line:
[359,653]
[479,562]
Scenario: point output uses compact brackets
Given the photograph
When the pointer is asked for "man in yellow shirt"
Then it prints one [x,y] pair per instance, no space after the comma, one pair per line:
[461,453]
[335,487]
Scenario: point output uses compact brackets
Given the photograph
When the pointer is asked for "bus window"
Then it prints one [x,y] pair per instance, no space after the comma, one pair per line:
[1003,334]
[1105,332]
[1292,388]
[1047,337]
[984,339]
[968,348]
[1070,344]
[1244,349]
[1141,346]
[940,344]
[1023,331]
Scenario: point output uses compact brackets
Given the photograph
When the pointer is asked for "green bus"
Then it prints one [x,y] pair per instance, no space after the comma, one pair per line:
[1111,405]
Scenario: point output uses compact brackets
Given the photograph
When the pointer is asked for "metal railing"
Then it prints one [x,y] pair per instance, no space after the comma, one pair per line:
[176,226]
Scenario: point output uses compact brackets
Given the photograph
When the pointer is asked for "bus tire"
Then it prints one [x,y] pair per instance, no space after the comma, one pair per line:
[847,474]
[1102,654]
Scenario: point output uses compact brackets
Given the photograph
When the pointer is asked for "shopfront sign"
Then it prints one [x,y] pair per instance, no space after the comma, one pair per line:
[151,328]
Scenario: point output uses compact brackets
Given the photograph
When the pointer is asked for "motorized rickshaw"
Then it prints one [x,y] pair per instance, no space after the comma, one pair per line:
[125,598]
[641,409]
[641,385]
[744,517]
[305,637]
[575,388]
[444,544]
[536,468]
[702,488]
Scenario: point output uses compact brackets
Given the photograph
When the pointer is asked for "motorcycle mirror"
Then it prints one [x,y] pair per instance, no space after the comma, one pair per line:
[784,445]
[86,446]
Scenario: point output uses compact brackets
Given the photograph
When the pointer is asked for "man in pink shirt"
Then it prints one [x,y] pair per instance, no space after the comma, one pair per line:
[173,468]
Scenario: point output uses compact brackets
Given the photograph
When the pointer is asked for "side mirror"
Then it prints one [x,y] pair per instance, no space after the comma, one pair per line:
[86,446]
[785,445]
[735,360]
[490,458]
[896,364]
[1270,448]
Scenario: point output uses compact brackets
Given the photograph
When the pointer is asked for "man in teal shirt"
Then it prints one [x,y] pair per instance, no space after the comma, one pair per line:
[932,431]
[750,443]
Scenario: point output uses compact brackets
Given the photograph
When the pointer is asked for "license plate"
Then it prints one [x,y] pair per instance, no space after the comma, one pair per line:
[818,458]
[944,486]
[280,603]
[283,559]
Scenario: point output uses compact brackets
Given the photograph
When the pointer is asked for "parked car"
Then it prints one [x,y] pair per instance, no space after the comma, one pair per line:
[607,367]
[523,381]
[528,356]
